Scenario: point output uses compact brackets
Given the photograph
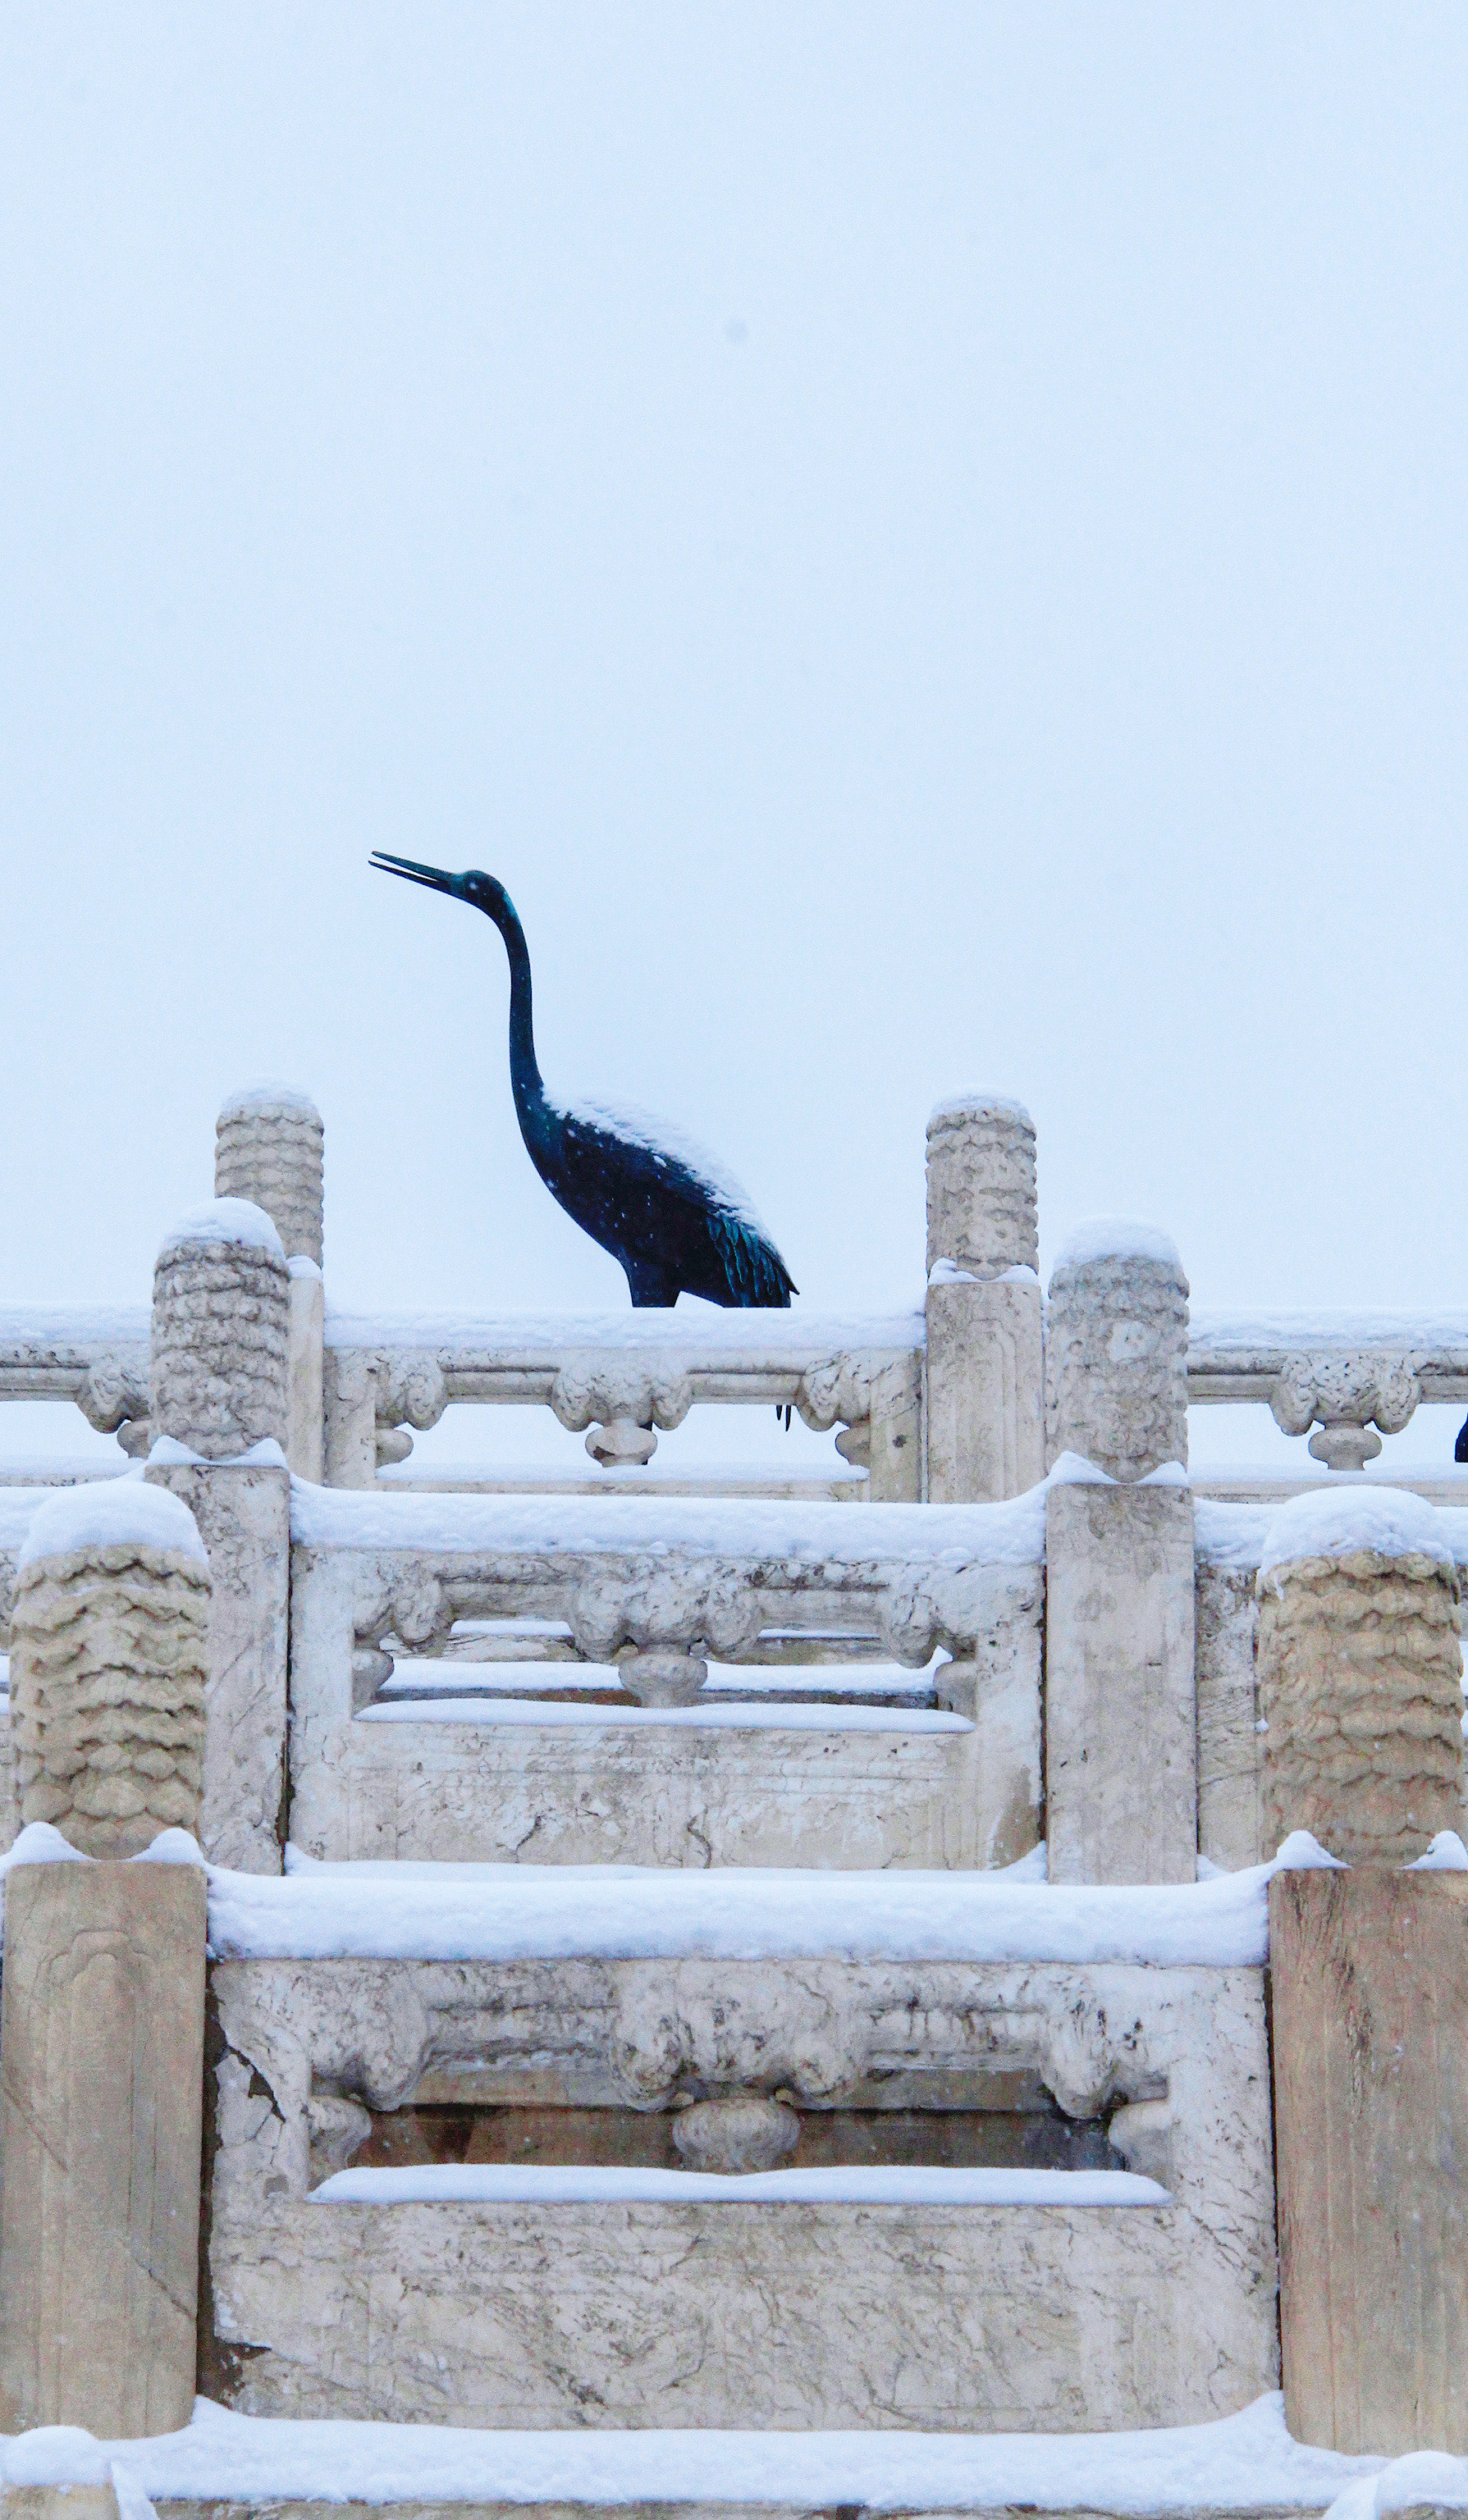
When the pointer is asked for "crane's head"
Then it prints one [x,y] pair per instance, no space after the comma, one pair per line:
[481,891]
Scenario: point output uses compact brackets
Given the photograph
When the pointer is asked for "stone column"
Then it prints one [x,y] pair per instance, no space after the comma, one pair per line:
[1361,1692]
[984,1351]
[1120,1714]
[102,2021]
[221,1297]
[1360,1675]
[268,1144]
[1369,1970]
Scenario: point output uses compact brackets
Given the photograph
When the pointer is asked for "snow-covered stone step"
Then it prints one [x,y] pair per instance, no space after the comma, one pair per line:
[232,2467]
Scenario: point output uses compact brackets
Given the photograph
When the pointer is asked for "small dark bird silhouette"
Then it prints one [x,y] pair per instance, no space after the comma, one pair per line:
[660,1205]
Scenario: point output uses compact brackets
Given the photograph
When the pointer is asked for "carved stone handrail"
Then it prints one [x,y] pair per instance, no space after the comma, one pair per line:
[94,1354]
[624,1376]
[1341,1372]
[658,1585]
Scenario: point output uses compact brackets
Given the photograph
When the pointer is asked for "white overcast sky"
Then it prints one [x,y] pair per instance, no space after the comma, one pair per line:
[924,544]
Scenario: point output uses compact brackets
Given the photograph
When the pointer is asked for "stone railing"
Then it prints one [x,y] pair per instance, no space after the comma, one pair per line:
[959,1400]
[1341,1373]
[657,1588]
[93,1354]
[625,1376]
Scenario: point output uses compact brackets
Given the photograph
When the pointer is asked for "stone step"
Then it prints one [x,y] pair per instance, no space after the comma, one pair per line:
[233,2467]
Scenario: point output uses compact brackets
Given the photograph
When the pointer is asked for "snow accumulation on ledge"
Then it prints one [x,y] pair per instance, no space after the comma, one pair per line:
[704,1336]
[511,1912]
[1245,2462]
[112,1513]
[519,2182]
[1011,1533]
[775,1716]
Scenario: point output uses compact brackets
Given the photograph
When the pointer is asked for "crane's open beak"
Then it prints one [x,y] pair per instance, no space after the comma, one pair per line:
[434,877]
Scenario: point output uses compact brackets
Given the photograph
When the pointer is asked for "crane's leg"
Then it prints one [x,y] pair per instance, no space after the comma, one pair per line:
[652,1288]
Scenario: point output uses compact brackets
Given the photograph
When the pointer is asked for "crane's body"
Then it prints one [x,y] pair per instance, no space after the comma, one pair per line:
[663,1208]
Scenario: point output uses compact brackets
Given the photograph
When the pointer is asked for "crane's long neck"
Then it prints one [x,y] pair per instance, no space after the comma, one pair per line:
[524,1072]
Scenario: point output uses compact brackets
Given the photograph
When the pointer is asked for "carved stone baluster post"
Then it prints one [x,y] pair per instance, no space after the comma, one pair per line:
[1360,1688]
[1120,1719]
[984,1364]
[221,1307]
[268,1147]
[102,2048]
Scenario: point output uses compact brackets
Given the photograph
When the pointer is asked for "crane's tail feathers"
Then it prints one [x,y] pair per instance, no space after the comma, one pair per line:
[755,1276]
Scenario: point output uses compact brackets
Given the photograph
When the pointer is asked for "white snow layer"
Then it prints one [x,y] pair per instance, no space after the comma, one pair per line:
[700,1335]
[779,1715]
[1009,1534]
[72,1328]
[1246,2463]
[264,1455]
[39,1843]
[509,1912]
[19,1507]
[105,1513]
[1116,1237]
[979,1098]
[667,1139]
[1341,1521]
[267,1097]
[223,1220]
[518,2183]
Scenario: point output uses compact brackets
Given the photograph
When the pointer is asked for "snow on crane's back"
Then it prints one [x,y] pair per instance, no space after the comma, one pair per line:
[665,1138]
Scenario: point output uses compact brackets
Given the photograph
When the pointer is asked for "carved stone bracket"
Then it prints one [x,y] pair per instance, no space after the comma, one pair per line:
[664,1612]
[1346,1394]
[840,1392]
[956,1606]
[621,1404]
[114,1399]
[409,1391]
[416,1610]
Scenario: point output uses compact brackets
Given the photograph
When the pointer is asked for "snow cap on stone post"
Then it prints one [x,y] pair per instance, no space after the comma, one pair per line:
[1116,1349]
[982,1210]
[109,1659]
[221,1300]
[1360,1674]
[268,1144]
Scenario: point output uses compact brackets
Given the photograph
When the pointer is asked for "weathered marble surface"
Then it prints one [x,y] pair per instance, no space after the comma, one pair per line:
[221,1334]
[268,1147]
[985,1389]
[1230,1745]
[662,1794]
[1116,1362]
[1121,1713]
[1370,1972]
[306,1437]
[244,1515]
[982,1210]
[1360,1684]
[1058,2318]
[101,2088]
[108,1670]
